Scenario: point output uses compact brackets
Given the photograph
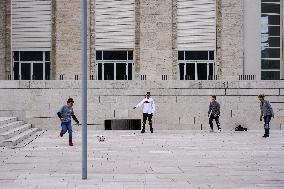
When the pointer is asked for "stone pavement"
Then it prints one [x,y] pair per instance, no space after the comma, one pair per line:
[164,159]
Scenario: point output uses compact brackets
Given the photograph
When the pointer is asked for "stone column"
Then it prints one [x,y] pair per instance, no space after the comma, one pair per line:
[137,40]
[2,39]
[53,41]
[230,35]
[174,41]
[155,39]
[5,39]
[8,60]
[92,38]
[68,39]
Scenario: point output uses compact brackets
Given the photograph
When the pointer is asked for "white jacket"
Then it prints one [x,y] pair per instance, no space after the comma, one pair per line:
[148,105]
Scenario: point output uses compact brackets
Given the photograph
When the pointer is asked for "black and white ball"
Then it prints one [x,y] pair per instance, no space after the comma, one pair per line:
[101,138]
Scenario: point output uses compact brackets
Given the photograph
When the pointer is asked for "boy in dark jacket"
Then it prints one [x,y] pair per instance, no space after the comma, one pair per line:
[214,113]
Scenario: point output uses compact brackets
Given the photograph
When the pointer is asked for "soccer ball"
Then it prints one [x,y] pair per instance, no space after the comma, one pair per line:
[101,138]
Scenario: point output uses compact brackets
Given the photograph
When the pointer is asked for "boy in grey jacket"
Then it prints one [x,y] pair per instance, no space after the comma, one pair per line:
[65,113]
[266,112]
[214,113]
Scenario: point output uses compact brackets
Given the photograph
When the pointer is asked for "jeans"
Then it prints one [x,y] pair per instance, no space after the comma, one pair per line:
[66,126]
[266,121]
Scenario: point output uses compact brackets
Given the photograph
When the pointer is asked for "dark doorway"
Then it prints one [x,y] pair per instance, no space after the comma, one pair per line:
[121,71]
[26,71]
[108,71]
[37,71]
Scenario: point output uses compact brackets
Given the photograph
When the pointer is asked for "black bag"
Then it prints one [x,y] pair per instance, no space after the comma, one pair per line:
[240,128]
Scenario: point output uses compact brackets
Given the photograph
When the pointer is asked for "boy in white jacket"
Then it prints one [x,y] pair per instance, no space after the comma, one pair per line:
[148,105]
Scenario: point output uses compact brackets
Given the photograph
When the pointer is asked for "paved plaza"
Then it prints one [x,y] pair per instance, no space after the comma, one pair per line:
[164,159]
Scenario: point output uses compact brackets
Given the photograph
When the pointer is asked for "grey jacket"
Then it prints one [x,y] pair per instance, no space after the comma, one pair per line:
[66,113]
[266,108]
[214,108]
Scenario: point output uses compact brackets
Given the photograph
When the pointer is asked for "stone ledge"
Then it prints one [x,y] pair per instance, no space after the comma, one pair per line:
[145,85]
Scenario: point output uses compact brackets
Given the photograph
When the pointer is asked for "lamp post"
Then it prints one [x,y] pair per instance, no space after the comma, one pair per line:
[84,88]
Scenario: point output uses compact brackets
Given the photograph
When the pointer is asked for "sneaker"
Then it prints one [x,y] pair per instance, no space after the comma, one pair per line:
[219,129]
[143,131]
[61,134]
[151,130]
[70,142]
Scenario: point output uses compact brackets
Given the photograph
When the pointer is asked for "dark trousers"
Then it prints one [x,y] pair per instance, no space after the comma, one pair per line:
[145,116]
[211,118]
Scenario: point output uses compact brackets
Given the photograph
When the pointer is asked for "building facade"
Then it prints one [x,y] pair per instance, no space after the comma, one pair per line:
[143,40]
[183,51]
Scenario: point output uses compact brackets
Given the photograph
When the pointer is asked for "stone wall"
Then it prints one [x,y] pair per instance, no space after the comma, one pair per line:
[230,31]
[180,104]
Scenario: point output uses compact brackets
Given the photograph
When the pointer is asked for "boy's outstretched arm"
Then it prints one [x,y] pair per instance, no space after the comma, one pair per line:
[75,118]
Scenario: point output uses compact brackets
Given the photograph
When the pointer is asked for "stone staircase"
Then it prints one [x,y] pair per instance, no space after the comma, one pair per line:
[15,134]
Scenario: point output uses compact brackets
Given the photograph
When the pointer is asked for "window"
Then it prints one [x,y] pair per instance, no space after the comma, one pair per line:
[270,39]
[196,65]
[114,65]
[31,65]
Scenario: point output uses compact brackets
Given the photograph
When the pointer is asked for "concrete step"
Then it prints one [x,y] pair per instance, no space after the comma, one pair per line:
[6,120]
[19,138]
[29,140]
[10,126]
[14,131]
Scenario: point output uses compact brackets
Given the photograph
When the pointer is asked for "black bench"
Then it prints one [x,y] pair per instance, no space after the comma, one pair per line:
[123,124]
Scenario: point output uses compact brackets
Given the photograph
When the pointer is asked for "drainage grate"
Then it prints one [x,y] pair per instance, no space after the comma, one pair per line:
[123,124]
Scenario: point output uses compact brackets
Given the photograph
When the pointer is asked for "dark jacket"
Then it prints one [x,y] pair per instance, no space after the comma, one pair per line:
[214,108]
